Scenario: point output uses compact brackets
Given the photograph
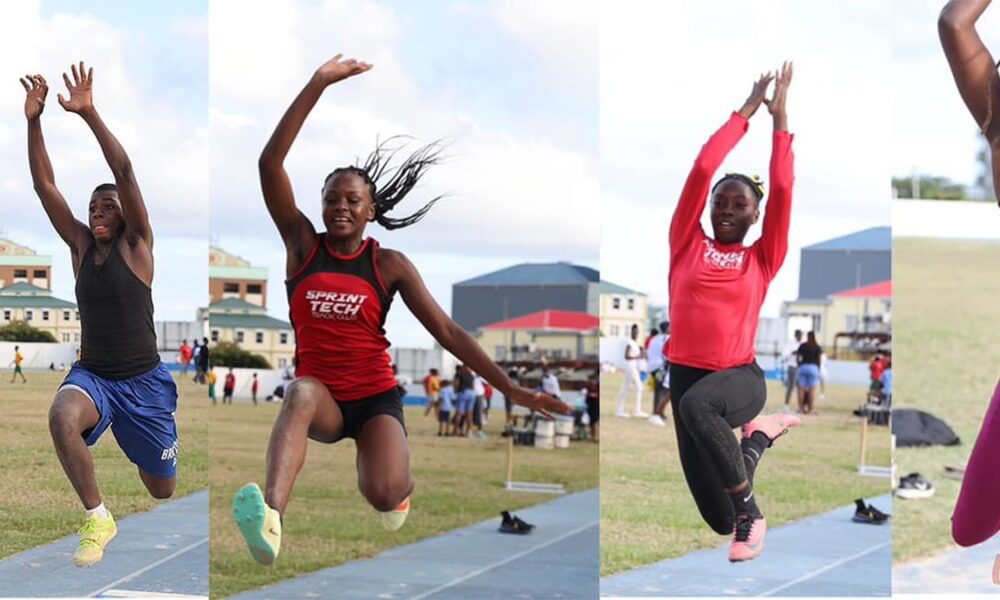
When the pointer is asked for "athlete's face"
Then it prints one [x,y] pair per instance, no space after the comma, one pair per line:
[347,205]
[734,210]
[105,215]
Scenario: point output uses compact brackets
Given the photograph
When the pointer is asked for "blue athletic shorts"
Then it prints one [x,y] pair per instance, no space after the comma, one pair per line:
[808,375]
[140,412]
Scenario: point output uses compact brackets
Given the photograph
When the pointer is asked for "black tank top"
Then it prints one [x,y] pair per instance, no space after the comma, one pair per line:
[118,340]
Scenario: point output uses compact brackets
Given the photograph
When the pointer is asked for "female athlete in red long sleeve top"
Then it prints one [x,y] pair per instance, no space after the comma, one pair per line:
[717,286]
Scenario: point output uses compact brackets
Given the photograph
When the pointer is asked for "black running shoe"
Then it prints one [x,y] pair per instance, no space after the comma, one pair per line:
[866,513]
[914,486]
[511,524]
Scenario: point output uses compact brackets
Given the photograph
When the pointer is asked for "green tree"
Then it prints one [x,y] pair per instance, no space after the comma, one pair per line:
[228,354]
[928,187]
[19,331]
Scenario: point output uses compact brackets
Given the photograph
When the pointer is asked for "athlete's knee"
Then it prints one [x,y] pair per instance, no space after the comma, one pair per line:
[693,408]
[302,393]
[161,492]
[65,416]
[387,492]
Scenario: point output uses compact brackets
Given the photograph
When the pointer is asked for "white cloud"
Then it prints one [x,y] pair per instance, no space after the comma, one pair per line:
[511,196]
[672,72]
[168,146]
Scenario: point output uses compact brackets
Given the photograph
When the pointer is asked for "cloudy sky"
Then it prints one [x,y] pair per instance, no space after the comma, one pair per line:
[512,84]
[933,131]
[151,88]
[671,73]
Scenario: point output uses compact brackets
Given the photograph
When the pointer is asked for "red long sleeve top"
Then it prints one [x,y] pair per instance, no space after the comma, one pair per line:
[716,290]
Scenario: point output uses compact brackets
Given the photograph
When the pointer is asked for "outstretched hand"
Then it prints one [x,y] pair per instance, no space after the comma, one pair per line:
[539,401]
[79,91]
[776,104]
[335,69]
[37,89]
[757,95]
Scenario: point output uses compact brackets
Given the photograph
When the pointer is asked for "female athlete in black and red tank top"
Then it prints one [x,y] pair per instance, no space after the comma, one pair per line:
[340,285]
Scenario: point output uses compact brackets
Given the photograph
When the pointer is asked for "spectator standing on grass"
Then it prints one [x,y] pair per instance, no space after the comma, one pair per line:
[465,400]
[211,378]
[203,359]
[254,386]
[789,356]
[196,357]
[479,391]
[185,352]
[593,395]
[432,387]
[656,362]
[633,354]
[445,404]
[809,356]
[228,387]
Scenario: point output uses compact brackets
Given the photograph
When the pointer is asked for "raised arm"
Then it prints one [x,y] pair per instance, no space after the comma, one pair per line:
[773,243]
[971,64]
[133,208]
[454,339]
[295,229]
[73,232]
[685,226]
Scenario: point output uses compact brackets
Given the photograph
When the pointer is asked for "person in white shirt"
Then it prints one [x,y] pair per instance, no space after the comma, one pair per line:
[479,390]
[550,383]
[633,353]
[657,364]
[790,360]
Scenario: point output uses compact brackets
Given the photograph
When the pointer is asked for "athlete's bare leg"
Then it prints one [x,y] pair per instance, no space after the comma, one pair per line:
[308,411]
[384,463]
[160,488]
[71,414]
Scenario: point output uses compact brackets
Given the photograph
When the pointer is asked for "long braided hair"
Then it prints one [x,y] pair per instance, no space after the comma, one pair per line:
[389,184]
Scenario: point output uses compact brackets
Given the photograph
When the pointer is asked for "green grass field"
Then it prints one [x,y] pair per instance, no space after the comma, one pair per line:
[458,482]
[38,504]
[945,360]
[647,513]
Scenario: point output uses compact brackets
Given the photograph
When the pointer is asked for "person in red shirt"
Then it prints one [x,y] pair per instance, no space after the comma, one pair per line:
[717,286]
[185,351]
[253,388]
[228,386]
[339,286]
[875,368]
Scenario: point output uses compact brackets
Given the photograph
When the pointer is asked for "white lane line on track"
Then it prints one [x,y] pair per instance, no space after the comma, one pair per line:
[148,567]
[478,572]
[829,567]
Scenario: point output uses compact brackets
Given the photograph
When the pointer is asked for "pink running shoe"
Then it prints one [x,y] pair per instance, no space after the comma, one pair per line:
[773,426]
[748,538]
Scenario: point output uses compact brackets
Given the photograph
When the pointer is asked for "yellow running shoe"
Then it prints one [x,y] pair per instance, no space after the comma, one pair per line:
[94,536]
[259,523]
[394,519]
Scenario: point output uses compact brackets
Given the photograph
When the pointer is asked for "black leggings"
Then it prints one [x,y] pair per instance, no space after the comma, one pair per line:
[707,406]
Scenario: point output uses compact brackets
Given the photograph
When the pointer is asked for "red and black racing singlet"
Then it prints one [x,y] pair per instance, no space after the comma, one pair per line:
[338,306]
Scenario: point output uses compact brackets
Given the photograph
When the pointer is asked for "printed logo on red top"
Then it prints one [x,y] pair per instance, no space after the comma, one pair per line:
[723,260]
[338,306]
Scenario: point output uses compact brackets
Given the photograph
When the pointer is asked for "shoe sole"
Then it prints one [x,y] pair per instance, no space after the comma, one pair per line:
[84,565]
[249,514]
[858,519]
[914,494]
